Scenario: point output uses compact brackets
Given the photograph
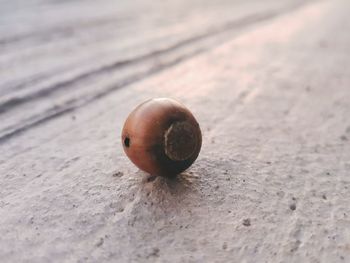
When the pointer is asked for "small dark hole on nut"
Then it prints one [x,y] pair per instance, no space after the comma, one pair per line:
[127,142]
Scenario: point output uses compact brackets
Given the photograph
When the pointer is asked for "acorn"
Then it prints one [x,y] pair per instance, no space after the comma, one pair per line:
[162,137]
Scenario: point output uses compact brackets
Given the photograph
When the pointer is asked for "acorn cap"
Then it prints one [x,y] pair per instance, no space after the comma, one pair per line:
[180,141]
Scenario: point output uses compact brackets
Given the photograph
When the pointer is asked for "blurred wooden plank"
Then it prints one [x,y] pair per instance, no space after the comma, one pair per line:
[51,68]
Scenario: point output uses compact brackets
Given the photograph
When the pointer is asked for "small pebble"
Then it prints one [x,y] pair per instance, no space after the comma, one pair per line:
[118,174]
[246,222]
[293,207]
[100,242]
[151,178]
[155,252]
[343,138]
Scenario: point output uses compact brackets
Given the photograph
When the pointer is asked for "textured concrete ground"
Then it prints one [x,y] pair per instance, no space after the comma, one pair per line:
[271,183]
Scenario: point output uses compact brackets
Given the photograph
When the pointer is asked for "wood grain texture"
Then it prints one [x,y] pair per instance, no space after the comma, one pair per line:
[270,91]
[58,56]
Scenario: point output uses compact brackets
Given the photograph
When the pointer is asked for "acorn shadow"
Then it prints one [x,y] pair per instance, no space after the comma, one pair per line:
[170,190]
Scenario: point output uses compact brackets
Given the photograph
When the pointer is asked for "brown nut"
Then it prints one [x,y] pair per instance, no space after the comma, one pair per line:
[162,137]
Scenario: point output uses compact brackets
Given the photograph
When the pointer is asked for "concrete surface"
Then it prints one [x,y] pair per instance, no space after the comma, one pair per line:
[271,183]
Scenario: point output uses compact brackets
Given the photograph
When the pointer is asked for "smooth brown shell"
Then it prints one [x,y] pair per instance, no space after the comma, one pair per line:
[162,137]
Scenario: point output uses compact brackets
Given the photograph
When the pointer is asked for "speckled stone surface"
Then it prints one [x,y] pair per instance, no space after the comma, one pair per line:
[271,183]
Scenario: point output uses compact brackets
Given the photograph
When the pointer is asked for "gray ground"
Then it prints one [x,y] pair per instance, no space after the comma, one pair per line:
[269,84]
